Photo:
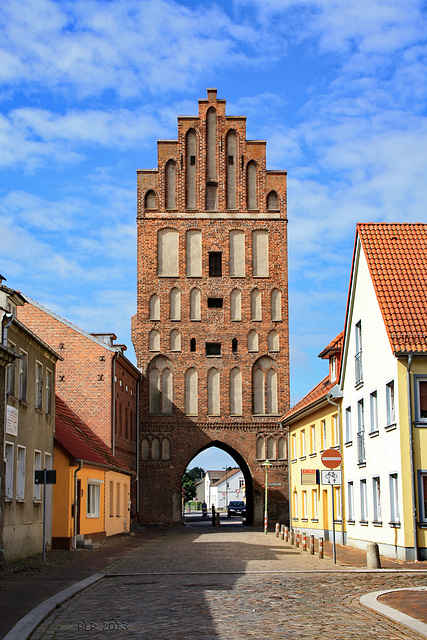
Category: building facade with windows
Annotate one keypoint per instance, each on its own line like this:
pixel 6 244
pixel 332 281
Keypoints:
pixel 91 497
pixel 28 435
pixel 314 425
pixel 211 329
pixel 384 384
pixel 230 486
pixel 95 379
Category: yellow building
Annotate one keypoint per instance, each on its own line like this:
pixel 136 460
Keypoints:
pixel 91 497
pixel 314 426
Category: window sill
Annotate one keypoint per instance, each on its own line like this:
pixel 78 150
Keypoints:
pixel 236 319
pixel 391 427
pixel 218 355
pixel 304 519
pixel 195 319
pixel 374 434
pixel 25 405
pixel 20 500
pixel 295 519
pixel 315 520
pixel 8 500
pixel 351 522
pixel 377 523
pixel 361 465
pixel 294 460
pixel 313 455
pixel 338 521
pixel 418 423
pixel 349 443
pixel 37 501
pixel 394 525
pixel 358 385
pixel 303 458
pixel 89 515
pixel 422 525
pixel 363 523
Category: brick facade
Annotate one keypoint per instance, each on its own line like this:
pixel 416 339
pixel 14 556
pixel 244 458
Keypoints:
pixel 211 178
pixel 94 379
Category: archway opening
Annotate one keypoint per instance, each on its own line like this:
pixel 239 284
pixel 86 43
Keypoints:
pixel 221 480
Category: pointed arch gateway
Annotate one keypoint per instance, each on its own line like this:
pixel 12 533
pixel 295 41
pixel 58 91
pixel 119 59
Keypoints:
pixel 242 464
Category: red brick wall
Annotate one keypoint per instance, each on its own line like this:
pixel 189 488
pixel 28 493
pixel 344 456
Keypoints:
pixel 161 479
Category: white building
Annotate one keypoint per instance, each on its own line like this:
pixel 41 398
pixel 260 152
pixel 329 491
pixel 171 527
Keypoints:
pixel 230 486
pixel 384 359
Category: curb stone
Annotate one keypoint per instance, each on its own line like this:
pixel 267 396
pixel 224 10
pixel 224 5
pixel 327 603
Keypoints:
pixel 25 627
pixel 370 600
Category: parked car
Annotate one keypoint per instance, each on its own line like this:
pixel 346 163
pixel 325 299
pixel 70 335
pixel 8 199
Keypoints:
pixel 236 508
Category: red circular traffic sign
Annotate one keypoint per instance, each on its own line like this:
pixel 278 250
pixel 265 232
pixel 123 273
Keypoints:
pixel 331 458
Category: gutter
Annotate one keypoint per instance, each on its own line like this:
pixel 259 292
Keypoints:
pixel 411 454
pixel 76 514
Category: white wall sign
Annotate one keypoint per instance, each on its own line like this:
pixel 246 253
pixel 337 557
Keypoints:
pixel 331 477
pixel 12 421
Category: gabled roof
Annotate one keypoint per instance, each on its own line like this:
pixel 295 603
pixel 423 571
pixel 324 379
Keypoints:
pixel 318 394
pixel 80 442
pixel 230 473
pixel 396 256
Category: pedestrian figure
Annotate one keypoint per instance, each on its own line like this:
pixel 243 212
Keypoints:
pixel 213 516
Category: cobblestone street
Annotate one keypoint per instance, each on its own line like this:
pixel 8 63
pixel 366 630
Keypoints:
pixel 230 584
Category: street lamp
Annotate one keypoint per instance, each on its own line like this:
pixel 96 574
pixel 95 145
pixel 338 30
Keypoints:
pixel 226 493
pixel 267 464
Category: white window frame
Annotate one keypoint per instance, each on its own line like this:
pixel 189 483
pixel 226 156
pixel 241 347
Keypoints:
pixel 294 446
pixel 394 498
pixel 21 475
pixel 376 495
pixel 37 467
pixel 350 501
pixel 304 505
pixel 323 434
pixel 363 500
pixel 313 439
pixel 93 498
pixel 9 456
pixel 11 373
pixel 303 443
pixel 314 510
pixel 49 391
pixel 23 376
pixel 373 407
pixel 390 403
pixel 295 505
pixel 335 430
pixel 39 386
pixel 358 354
pixel 348 434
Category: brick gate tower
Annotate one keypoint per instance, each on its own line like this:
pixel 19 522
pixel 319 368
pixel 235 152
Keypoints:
pixel 211 328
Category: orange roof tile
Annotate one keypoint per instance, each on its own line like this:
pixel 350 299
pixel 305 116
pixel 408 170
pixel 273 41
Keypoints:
pixel 396 256
pixel 319 392
pixel 333 347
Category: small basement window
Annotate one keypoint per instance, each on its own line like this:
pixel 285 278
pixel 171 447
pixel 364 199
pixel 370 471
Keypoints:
pixel 215 264
pixel 215 303
pixel 193 160
pixel 193 344
pixel 213 348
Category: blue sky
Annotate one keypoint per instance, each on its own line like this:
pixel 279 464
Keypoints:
pixel 338 89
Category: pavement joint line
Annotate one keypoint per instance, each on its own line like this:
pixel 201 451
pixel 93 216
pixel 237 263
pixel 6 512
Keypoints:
pixel 29 623
pixel 267 571
pixel 370 600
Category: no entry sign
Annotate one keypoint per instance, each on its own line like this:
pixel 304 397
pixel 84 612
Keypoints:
pixel 331 458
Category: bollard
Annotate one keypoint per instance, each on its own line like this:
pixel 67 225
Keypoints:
pixel 277 529
pixel 217 521
pixel 297 540
pixel 373 556
pixel 282 532
pixel 312 545
pixel 286 534
pixel 304 542
pixel 292 537
pixel 320 547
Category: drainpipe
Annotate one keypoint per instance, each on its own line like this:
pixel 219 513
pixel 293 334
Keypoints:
pixel 74 545
pixel 137 447
pixel 113 408
pixel 411 454
pixel 328 398
pixel 289 483
pixel 9 317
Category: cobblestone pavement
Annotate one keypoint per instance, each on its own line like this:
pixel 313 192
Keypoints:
pixel 230 584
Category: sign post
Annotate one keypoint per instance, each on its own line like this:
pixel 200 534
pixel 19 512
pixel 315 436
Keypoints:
pixel 332 459
pixel 44 477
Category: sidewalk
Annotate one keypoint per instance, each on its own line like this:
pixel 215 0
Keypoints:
pixel 19 594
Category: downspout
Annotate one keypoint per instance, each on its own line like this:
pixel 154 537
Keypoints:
pixel 137 447
pixel 289 483
pixel 411 455
pixel 113 408
pixel 340 450
pixel 74 545
pixel 9 318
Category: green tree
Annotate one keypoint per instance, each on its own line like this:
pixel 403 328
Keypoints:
pixel 189 480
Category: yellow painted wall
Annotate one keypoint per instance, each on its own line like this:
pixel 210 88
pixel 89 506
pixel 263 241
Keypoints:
pixel 117 513
pixel 311 460
pixel 62 496
pixel 419 367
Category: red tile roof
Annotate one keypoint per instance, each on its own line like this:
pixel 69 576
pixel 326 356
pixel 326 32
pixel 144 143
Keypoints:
pixel 80 442
pixel 396 256
pixel 320 391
